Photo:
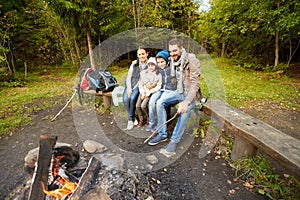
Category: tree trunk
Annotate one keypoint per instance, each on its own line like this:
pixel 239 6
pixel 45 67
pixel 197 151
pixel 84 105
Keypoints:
pixel 276 49
pixel 77 52
pixel 223 49
pixel 89 41
pixel 134 17
pixel 276 42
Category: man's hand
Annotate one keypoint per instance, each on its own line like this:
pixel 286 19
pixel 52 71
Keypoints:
pixel 183 107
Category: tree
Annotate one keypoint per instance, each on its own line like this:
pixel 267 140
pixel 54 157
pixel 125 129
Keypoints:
pixel 257 32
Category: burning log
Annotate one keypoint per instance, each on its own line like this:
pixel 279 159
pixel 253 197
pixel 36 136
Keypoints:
pixel 46 145
pixel 87 180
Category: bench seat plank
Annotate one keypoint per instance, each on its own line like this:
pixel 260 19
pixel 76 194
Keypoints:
pixel 280 146
pixel 107 96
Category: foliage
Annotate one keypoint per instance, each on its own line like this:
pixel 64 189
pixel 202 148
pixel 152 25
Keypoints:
pixel 246 30
pixel 202 129
pixel 259 175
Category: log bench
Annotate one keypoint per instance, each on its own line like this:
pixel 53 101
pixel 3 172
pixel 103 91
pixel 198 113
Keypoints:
pixel 107 96
pixel 252 134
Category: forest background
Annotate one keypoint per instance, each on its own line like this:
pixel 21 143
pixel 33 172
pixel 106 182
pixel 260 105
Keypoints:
pixel 261 35
pixel 254 44
pixel 46 42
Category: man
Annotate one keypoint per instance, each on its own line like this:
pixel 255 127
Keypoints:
pixel 186 67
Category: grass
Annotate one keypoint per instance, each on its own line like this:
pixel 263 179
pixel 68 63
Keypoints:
pixel 17 103
pixel 220 79
pixel 244 87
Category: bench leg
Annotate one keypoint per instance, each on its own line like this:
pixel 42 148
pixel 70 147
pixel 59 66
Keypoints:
pixel 242 148
pixel 106 101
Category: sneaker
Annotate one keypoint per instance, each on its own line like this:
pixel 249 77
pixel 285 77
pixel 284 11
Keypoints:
pixel 166 153
pixel 171 148
pixel 149 128
pixel 135 122
pixel 130 125
pixel 157 139
pixel 153 129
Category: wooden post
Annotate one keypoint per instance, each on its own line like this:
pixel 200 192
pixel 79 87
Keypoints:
pixel 242 148
pixel 106 101
pixel 41 173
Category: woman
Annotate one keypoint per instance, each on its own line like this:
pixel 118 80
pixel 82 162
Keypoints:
pixel 131 91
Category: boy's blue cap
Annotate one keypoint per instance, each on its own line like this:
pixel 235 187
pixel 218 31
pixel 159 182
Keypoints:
pixel 163 54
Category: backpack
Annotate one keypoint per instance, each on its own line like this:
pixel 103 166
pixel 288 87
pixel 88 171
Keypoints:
pixel 97 80
pixel 101 80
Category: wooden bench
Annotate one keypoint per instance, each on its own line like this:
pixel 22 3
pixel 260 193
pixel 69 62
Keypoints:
pixel 252 134
pixel 107 96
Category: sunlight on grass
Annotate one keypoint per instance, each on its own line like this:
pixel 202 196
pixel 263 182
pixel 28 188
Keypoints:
pixel 244 86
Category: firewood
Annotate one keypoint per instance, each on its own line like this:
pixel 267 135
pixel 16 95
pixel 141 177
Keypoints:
pixel 40 176
pixel 87 180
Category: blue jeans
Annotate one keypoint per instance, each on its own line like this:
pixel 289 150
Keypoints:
pixel 152 107
pixel 130 103
pixel 170 98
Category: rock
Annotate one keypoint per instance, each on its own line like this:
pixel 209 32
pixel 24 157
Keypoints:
pixel 96 193
pixel 32 155
pixel 93 146
pixel 152 159
pixel 112 161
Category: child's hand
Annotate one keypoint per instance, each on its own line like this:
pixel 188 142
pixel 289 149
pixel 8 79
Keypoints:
pixel 149 86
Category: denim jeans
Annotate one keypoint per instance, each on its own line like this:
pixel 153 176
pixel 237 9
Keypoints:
pixel 167 98
pixel 170 98
pixel 152 107
pixel 130 103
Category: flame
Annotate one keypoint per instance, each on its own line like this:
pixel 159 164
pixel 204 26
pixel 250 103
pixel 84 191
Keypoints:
pixel 67 188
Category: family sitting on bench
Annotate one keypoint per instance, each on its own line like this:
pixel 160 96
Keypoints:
pixel 172 77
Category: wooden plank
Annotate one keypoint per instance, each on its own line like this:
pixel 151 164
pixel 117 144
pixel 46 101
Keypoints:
pixel 87 179
pixel 41 173
pixel 280 146
pixel 100 93
pixel 107 96
pixel 242 148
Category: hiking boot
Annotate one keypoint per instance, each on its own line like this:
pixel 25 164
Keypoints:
pixel 157 139
pixel 130 125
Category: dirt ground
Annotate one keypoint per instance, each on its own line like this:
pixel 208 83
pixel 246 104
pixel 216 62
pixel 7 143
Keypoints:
pixel 189 177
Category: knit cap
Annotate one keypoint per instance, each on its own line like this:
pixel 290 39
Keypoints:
pixel 163 54
pixel 152 60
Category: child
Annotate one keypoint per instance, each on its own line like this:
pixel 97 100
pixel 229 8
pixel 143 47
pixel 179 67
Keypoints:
pixel 150 83
pixel 162 59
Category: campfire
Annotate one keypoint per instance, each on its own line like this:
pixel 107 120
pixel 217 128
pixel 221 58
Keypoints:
pixel 53 179
pixel 60 173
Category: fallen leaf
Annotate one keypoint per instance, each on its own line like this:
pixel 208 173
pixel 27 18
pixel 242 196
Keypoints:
pixel 248 185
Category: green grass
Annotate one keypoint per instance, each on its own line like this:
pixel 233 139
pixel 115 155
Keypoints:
pixel 17 103
pixel 244 87
pixel 219 79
